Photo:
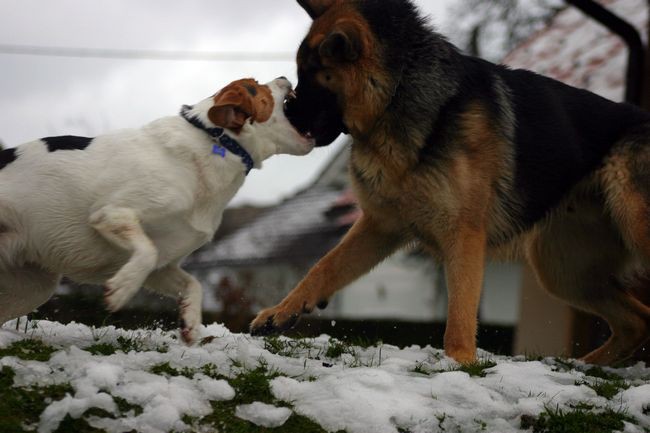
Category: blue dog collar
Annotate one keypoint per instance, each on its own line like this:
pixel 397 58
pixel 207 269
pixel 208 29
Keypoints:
pixel 223 143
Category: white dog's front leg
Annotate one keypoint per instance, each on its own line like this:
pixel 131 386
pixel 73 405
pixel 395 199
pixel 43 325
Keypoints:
pixel 174 282
pixel 121 227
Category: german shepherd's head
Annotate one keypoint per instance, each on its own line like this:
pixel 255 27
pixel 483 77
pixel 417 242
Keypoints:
pixel 350 64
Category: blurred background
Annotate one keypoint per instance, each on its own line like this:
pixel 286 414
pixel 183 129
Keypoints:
pixel 72 67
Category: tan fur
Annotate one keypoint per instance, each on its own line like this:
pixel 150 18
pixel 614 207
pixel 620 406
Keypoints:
pixel 627 204
pixel 364 86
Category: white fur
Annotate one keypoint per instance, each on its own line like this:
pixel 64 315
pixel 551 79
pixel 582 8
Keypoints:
pixel 127 210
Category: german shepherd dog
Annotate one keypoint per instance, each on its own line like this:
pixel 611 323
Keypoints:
pixel 472 160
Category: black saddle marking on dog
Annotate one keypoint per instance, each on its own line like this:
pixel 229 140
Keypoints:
pixel 66 142
pixel 7 156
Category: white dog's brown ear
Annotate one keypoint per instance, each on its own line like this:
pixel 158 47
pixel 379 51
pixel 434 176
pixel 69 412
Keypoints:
pixel 226 117
pixel 231 109
pixel 316 8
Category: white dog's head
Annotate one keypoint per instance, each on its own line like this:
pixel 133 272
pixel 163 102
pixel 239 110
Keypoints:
pixel 253 113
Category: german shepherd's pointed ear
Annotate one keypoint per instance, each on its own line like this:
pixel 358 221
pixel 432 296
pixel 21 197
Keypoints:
pixel 316 8
pixel 343 44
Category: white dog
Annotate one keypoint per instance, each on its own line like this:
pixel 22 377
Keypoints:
pixel 124 209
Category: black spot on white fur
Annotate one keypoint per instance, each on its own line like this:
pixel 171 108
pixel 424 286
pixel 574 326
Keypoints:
pixel 7 156
pixel 66 142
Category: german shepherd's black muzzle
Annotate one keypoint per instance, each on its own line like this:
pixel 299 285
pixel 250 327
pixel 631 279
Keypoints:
pixel 315 110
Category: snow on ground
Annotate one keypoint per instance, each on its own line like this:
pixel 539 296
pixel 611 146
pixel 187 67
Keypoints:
pixel 379 389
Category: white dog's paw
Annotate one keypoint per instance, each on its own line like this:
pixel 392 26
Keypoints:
pixel 190 321
pixel 119 290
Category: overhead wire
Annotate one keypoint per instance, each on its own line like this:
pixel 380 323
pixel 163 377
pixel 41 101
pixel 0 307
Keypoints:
pixel 145 54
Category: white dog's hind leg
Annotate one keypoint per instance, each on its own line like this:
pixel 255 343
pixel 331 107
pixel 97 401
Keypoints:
pixel 23 289
pixel 121 226
pixel 174 282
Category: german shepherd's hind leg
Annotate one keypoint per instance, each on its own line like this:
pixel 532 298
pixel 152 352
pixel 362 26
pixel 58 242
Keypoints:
pixel 362 248
pixel 625 179
pixel 172 281
pixel 23 289
pixel 579 257
pixel 121 227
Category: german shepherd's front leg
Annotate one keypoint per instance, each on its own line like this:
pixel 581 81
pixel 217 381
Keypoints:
pixel 365 245
pixel 464 267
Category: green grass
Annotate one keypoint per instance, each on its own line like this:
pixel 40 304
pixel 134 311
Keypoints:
pixel 77 425
pixel 165 369
pixel 577 420
pixel 606 384
pixel 288 347
pixel 476 369
pixel 336 348
pixel 125 407
pixel 22 407
pixel 29 349
pixel 606 388
pixel 420 369
pixel 596 371
pixel 126 345
pixel 104 349
pixel 251 386
pixel 80 425
pixel 564 364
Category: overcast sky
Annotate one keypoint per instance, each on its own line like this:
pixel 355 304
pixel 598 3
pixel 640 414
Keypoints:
pixel 46 95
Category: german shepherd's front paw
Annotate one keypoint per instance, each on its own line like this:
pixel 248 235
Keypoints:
pixel 283 316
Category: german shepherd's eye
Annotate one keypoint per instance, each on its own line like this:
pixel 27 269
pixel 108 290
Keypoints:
pixel 326 77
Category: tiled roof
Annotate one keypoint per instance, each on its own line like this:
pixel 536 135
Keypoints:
pixel 579 51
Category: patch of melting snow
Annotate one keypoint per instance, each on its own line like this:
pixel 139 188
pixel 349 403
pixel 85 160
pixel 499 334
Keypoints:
pixel 372 390
pixel 263 414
